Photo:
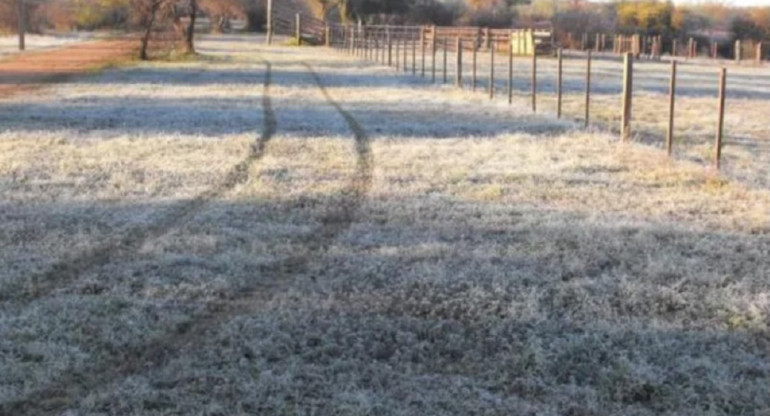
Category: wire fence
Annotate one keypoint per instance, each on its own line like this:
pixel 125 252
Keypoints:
pixel 622 84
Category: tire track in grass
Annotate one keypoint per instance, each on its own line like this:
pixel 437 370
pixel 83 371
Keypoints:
pixel 66 392
pixel 67 270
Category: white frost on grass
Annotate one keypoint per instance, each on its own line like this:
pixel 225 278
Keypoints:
pixel 746 153
pixel 9 45
pixel 499 264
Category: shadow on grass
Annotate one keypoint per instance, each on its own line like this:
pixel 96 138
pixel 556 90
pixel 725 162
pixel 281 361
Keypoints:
pixel 545 306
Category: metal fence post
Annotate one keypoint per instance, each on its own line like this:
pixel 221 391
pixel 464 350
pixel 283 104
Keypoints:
pixel 459 63
pixel 510 68
pixel 720 119
pixel 628 82
pixel 534 81
pixel 588 90
pixel 491 69
pixel 671 106
pixel 559 73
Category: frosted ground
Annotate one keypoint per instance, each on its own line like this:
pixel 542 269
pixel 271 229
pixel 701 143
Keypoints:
pixel 9 45
pixel 179 239
pixel 747 146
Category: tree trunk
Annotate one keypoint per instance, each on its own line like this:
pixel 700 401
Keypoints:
pixel 22 24
pixel 148 31
pixel 190 33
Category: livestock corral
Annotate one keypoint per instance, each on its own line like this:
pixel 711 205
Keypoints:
pixel 301 231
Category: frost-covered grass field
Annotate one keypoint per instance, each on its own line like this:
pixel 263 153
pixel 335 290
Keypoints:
pixel 226 237
pixel 746 144
pixel 9 45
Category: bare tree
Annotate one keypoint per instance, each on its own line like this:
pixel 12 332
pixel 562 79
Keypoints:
pixel 146 13
pixel 222 11
pixel 186 31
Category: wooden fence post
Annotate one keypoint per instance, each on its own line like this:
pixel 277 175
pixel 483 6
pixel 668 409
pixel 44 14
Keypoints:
pixel 372 39
pixel 376 47
pixel 298 28
pixel 446 47
pixel 397 52
pixel 588 89
pixel 758 56
pixel 406 55
pixel 422 50
pixel 491 69
pixel 559 73
pixel 390 47
pixel 628 86
pixel 671 106
pixel 327 36
pixel 372 45
pixel 738 51
pixel 720 119
pixel 384 51
pixel 637 45
pixel 534 81
pixel 487 38
pixel 459 63
pixel 433 52
pixel 475 59
pixel 414 56
pixel 372 42
pixel 510 68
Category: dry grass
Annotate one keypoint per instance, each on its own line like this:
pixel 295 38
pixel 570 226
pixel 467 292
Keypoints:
pixel 500 263
pixel 746 151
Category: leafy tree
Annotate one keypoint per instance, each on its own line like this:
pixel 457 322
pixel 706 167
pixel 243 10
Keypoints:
pixel 647 16
pixel 490 13
pixel 753 24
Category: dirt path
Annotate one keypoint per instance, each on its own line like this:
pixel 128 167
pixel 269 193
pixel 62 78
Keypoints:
pixel 30 70
pixel 60 394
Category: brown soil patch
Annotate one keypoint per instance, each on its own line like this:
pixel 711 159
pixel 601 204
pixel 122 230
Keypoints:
pixel 32 69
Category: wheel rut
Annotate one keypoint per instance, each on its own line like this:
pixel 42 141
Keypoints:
pixel 269 279
pixel 69 269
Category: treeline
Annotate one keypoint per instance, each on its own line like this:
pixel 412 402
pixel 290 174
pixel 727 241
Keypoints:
pixel 644 17
pixel 71 15
pixel 652 18
pixel 491 13
pixel 156 21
